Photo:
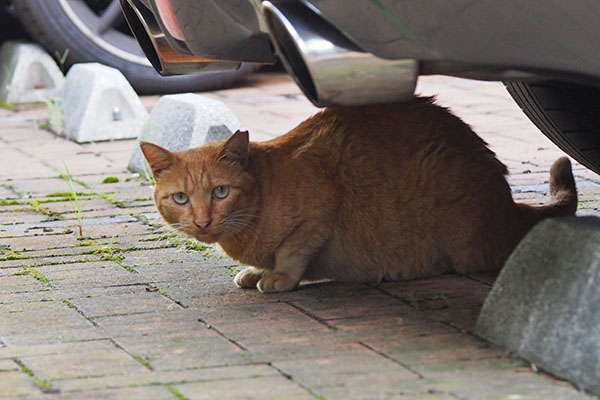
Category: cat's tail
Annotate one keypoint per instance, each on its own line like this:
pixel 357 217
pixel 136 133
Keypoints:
pixel 562 191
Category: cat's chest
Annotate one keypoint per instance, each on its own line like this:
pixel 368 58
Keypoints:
pixel 252 250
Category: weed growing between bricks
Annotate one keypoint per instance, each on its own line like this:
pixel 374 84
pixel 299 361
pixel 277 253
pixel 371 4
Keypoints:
pixel 42 384
pixel 176 392
pixel 34 273
pixel 75 201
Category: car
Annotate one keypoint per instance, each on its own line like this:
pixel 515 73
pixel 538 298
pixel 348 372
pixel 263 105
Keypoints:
pixel 95 31
pixel 344 52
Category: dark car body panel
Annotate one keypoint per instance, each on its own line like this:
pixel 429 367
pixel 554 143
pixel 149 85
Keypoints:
pixel 551 36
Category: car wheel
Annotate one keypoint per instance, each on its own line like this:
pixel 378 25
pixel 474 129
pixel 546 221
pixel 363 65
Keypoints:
pixel 96 31
pixel 567 113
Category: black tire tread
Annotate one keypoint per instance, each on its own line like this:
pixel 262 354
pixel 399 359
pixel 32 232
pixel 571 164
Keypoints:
pixel 568 114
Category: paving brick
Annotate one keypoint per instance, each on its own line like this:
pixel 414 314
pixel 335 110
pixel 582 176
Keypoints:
pixel 255 324
pixel 448 298
pixel 25 167
pixel 173 340
pixel 422 346
pixel 35 241
pixel 149 324
pixel 49 260
pixel 435 289
pixel 11 284
pixel 81 359
pixel 42 187
pixel 22 217
pixel 43 293
pixel 369 302
pixel 89 274
pixel 8 365
pixel 16 384
pixel 356 364
pixel 275 387
pixel 43 322
pixel 510 383
pixel 191 349
pixel 108 211
pixel 122 229
pixel 152 378
pixel 65 208
pixel 139 300
pixel 133 393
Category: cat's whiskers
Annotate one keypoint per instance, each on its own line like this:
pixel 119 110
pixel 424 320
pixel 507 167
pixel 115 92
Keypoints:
pixel 240 222
pixel 239 226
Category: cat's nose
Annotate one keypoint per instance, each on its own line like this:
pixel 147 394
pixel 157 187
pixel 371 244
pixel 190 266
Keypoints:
pixel 202 224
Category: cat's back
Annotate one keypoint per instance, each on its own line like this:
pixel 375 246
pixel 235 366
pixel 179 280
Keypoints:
pixel 412 145
pixel 387 143
pixel 396 128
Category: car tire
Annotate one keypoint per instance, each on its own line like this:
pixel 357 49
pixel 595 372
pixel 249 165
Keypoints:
pixel 567 113
pixel 61 25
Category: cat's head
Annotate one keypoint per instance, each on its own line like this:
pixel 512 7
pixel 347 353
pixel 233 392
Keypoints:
pixel 207 191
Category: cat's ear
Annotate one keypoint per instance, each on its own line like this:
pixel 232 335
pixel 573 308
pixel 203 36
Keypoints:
pixel 235 149
pixel 158 158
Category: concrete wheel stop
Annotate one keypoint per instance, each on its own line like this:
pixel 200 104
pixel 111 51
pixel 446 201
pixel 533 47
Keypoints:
pixel 100 104
pixel 182 121
pixel 27 74
pixel 545 304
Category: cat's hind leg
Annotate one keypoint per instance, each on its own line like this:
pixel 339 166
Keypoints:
pixel 292 258
pixel 248 277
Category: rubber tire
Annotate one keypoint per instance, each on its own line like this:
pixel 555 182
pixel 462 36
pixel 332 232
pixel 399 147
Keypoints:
pixel 46 22
pixel 567 113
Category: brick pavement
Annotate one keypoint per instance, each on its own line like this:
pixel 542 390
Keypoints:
pixel 131 311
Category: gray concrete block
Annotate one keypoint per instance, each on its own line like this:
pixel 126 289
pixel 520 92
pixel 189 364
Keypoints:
pixel 27 74
pixel 100 104
pixel 183 121
pixel 545 303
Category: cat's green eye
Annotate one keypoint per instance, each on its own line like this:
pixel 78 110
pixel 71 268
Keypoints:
pixel 220 192
pixel 180 198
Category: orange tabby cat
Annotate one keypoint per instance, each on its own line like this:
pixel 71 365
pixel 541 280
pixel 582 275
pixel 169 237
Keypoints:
pixel 365 193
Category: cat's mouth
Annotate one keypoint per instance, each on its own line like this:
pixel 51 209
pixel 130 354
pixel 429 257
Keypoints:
pixel 206 236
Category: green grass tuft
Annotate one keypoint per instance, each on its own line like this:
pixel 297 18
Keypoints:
pixel 42 384
pixel 85 243
pixel 75 201
pixel 23 367
pixel 68 303
pixel 8 254
pixel 34 273
pixel 7 106
pixel 4 202
pixel 142 361
pixel 110 179
pixel 234 271
pixel 176 392
pixel 66 194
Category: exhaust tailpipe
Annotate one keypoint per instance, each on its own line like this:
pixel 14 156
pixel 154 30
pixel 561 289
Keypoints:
pixel 165 59
pixel 328 67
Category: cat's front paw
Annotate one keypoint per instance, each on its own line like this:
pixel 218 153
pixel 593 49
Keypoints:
pixel 248 277
pixel 276 282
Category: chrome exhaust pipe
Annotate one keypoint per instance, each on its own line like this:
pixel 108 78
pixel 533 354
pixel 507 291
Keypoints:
pixel 165 59
pixel 328 67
